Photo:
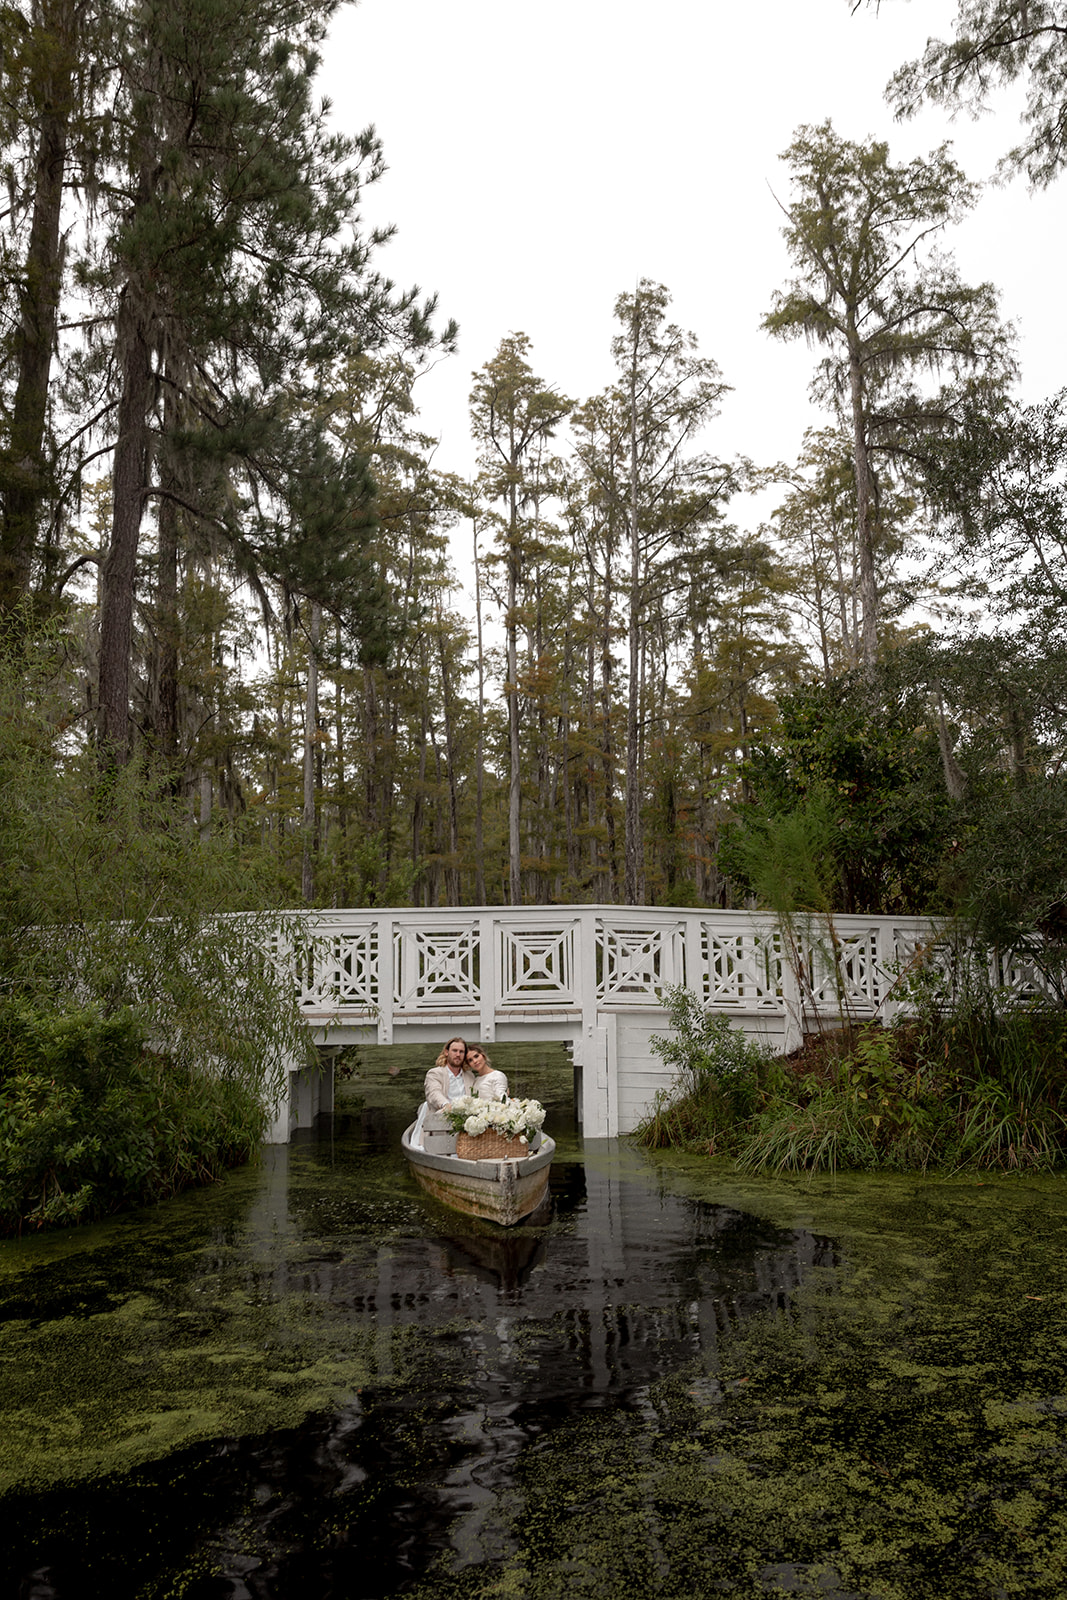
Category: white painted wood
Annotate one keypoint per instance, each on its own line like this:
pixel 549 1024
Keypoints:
pixel 594 976
pixel 487 993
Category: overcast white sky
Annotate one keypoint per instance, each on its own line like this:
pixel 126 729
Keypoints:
pixel 544 157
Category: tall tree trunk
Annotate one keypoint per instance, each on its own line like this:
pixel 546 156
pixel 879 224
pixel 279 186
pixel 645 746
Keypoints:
pixel 864 514
pixel 452 895
pixel 311 729
pixel 955 777
pixel 205 802
pixel 479 812
pixel 512 689
pixel 564 756
pixel 607 757
pixel 166 668
pixel 35 334
pixel 344 888
pixel 166 619
pixel 120 566
pixel 632 881
pixel 420 792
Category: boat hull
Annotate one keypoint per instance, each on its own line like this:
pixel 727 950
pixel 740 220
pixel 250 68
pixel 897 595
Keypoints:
pixel 498 1191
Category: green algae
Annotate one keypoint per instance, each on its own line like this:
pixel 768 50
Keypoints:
pixel 899 1431
pixel 200 1318
pixel 896 1428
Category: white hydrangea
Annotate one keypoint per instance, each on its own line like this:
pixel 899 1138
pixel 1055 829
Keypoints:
pixel 515 1118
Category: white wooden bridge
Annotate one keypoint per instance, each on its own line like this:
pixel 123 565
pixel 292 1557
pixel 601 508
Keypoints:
pixel 589 976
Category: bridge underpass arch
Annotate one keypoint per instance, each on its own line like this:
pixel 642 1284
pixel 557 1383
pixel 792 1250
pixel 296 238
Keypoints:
pixel 593 977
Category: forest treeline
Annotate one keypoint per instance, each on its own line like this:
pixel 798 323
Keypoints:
pixel 238 672
pixel 224 530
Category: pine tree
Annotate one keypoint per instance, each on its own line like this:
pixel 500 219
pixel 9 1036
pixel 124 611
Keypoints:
pixel 667 393
pixel 56 80
pixel 513 415
pixel 233 275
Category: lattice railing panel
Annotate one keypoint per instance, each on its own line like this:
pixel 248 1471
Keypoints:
pixel 1021 978
pixel 635 963
pixel 333 970
pixel 742 970
pixel 921 952
pixel 436 968
pixel 855 978
pixel 347 966
pixel 537 966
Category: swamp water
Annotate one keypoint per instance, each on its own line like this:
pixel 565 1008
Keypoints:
pixel 313 1381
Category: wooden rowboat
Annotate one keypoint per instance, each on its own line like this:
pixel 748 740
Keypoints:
pixel 498 1190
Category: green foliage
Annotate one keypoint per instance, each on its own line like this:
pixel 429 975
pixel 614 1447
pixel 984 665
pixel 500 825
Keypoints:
pixel 116 934
pixel 1010 879
pixel 980 1084
pixel 827 1132
pixel 995 42
pixel 847 801
pixel 717 1070
pixel 786 858
pixel 91 1121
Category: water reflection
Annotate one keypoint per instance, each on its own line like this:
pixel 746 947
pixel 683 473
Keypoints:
pixel 481 1346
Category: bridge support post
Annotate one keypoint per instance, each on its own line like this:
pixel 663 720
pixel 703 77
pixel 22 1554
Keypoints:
pixel 387 980
pixel 304 1092
pixel 489 977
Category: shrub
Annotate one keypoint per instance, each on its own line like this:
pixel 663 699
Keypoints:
pixel 91 1121
pixel 979 1084
pixel 717 1071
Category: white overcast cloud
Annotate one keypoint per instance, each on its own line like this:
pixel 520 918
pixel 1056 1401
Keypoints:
pixel 543 158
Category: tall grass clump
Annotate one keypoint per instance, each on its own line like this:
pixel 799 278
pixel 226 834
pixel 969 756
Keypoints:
pixel 980 1083
pixel 1003 1069
pixel 850 1099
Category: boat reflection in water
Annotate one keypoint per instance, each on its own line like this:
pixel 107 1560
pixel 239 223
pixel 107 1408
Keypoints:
pixel 483 1350
pixel 502 1260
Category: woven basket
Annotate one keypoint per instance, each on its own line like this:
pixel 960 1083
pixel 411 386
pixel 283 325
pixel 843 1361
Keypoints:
pixel 490 1146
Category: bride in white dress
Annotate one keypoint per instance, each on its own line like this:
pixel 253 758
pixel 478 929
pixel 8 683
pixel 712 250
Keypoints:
pixel 489 1084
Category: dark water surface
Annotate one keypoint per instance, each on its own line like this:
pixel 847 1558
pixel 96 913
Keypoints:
pixel 313 1381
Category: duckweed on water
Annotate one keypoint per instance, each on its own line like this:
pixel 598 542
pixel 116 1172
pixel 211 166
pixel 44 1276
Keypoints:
pixel 727 1386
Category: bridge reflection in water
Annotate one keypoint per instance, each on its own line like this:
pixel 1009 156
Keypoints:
pixel 486 1354
pixel 532 1330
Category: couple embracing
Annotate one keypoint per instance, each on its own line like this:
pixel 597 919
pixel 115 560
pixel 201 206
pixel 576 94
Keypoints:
pixel 461 1069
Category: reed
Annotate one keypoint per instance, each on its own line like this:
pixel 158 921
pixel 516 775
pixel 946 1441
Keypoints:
pixel 980 1084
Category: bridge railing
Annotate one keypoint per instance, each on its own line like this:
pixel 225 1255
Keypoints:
pixel 478 965
pixel 595 976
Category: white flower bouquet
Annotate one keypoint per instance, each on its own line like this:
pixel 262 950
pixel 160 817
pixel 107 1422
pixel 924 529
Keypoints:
pixel 511 1119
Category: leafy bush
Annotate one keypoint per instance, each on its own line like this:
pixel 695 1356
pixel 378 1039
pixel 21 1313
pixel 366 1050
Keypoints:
pixel 716 1076
pixel 91 1121
pixel 143 1026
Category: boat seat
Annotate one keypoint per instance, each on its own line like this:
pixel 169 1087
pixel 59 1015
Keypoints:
pixel 437 1137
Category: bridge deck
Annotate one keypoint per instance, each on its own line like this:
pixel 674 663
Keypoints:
pixel 594 976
